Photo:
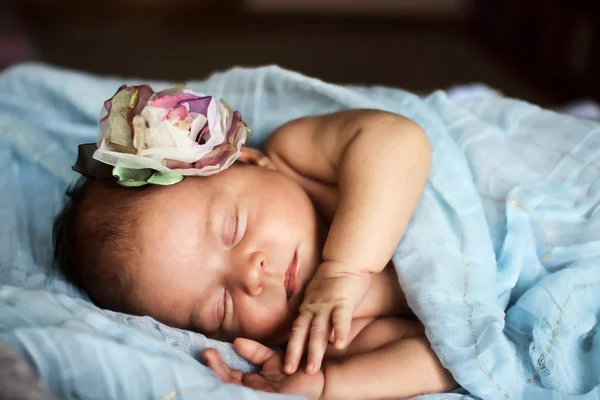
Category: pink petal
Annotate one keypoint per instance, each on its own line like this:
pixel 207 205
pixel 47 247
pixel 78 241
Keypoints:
pixel 171 101
pixel 145 92
pixel 174 164
pixel 180 112
pixel 204 135
pixel 215 157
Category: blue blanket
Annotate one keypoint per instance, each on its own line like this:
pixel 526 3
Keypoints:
pixel 501 260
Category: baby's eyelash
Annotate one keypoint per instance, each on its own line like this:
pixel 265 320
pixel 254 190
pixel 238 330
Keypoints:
pixel 237 224
pixel 224 307
pixel 230 228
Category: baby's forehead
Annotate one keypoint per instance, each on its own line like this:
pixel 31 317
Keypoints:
pixel 175 213
pixel 197 198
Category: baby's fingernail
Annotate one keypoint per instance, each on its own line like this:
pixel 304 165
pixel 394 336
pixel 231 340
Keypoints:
pixel 311 367
pixel 339 343
pixel 288 368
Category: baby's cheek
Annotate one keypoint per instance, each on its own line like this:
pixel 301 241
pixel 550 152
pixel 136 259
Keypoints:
pixel 266 324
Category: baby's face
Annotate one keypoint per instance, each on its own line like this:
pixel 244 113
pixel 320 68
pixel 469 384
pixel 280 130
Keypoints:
pixel 228 255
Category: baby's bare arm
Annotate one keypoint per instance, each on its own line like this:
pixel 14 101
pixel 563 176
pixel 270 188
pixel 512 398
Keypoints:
pixel 379 163
pixel 389 358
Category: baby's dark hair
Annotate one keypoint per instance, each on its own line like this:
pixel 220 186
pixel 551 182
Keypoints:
pixel 95 240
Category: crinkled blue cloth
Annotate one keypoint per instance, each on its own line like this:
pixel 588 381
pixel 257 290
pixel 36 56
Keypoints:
pixel 501 261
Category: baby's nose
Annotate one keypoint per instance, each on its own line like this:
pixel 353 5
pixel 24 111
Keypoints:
pixel 253 275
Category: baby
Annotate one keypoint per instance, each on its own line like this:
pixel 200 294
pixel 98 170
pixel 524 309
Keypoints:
pixel 293 245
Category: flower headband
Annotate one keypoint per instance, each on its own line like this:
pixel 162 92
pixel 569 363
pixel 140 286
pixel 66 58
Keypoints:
pixel 157 138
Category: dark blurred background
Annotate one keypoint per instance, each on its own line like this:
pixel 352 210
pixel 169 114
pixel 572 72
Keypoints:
pixel 542 51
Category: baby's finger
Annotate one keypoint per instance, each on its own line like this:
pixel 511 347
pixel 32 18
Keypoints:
pixel 295 346
pixel 318 342
pixel 332 336
pixel 236 375
pixel 257 382
pixel 342 322
pixel 215 363
pixel 253 351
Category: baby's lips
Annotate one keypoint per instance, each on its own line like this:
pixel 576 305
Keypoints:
pixel 291 275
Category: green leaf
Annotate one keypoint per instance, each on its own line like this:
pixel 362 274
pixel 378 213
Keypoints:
pixel 165 178
pixel 130 177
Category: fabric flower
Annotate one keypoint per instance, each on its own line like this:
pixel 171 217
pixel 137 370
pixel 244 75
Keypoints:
pixel 176 131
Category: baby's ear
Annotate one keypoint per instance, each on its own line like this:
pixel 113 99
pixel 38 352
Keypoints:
pixel 256 157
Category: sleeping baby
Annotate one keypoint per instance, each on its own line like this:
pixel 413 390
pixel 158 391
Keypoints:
pixel 287 247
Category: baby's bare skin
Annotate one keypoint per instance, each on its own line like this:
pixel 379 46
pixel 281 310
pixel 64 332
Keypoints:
pixel 384 342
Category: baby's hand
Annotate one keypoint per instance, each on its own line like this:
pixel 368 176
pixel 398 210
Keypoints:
pixel 330 300
pixel 271 377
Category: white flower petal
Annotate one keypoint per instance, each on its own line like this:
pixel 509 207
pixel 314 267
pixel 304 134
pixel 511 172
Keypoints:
pixel 159 136
pixel 197 125
pixel 214 122
pixel 179 136
pixel 154 115
pixel 187 154
pixel 138 162
pixel 139 133
pixel 226 117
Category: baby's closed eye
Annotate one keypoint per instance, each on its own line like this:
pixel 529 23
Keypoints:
pixel 230 227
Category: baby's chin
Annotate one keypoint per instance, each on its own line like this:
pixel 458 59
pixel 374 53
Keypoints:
pixel 281 332
pixel 282 335
pixel 277 339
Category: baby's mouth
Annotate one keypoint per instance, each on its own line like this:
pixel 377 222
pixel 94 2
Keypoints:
pixel 290 277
